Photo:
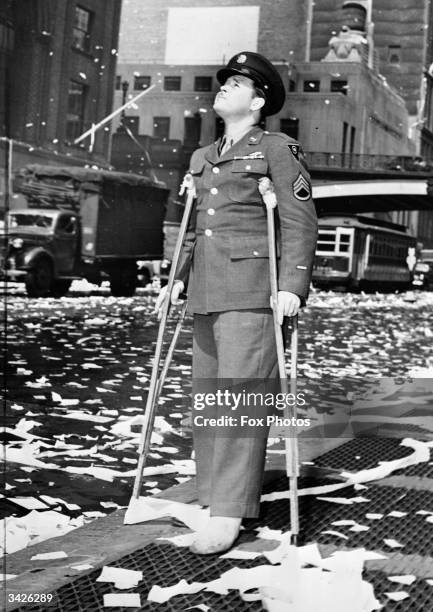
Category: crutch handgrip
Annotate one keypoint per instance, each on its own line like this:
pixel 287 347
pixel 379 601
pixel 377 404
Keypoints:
pixel 266 189
pixel 188 185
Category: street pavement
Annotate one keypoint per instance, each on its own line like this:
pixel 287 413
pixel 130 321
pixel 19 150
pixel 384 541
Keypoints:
pixel 78 371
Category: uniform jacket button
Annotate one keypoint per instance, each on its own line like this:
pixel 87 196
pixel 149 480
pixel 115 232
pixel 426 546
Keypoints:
pixel 214 191
pixel 208 232
pixel 255 253
pixel 211 211
pixel 215 170
pixel 248 167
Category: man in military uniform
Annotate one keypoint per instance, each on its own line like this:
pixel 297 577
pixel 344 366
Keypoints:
pixel 225 267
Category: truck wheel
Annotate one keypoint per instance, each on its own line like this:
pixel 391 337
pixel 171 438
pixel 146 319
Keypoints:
pixel 60 287
pixel 39 279
pixel 123 280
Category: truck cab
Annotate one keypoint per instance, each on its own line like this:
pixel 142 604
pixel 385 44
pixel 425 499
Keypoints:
pixel 41 248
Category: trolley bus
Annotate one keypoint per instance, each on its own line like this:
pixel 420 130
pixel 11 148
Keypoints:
pixel 359 252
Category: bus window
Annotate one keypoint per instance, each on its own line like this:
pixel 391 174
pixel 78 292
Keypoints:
pixel 326 241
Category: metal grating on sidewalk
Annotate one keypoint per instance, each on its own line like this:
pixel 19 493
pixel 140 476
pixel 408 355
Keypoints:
pixel 420 593
pixel 161 564
pixel 165 565
pixel 363 453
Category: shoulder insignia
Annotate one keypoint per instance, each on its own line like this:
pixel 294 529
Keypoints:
pixel 294 149
pixel 301 188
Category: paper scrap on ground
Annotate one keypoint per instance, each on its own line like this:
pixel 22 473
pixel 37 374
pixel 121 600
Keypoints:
pixel 82 567
pixel 49 555
pixel 321 490
pixel 405 579
pixel 30 503
pixel 345 500
pixel 34 527
pixel 276 555
pixel 392 543
pixel 159 594
pixel 339 589
pixel 122 578
pixel 239 553
pixel 397 514
pixel 269 534
pixel 338 534
pixel 80 415
pixel 150 508
pixel 374 516
pixel 25 456
pixel 357 528
pixel 370 555
pixel 122 600
pixel 397 595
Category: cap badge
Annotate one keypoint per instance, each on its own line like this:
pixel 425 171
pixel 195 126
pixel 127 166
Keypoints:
pixel 241 59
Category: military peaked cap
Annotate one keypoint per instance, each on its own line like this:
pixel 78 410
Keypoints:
pixel 262 72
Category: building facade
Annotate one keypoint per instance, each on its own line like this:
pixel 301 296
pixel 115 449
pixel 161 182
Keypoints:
pixel 176 47
pixel 402 35
pixel 350 88
pixel 58 59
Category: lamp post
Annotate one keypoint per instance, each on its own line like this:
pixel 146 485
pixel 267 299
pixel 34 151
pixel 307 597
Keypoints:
pixel 125 87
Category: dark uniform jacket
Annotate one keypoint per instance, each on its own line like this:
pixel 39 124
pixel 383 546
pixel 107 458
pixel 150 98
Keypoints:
pixel 225 261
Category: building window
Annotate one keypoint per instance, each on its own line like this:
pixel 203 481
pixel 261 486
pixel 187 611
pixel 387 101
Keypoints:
pixel 344 141
pixel 312 86
pixel 203 83
pixel 76 109
pixel 118 84
pixel 339 87
pixel 292 85
pixel 172 83
pixel 161 127
pixel 394 54
pixel 290 127
pixel 82 29
pixel 192 130
pixel 142 82
pixel 352 139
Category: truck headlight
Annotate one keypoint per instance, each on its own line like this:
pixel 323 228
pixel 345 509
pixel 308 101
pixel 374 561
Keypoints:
pixel 17 243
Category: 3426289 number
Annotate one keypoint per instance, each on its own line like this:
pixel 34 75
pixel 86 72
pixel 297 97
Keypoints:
pixel 23 598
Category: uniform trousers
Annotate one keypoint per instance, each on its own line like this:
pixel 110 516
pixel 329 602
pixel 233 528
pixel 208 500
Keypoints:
pixel 235 344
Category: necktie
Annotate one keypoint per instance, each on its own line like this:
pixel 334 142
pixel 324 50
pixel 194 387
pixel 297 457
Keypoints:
pixel 224 145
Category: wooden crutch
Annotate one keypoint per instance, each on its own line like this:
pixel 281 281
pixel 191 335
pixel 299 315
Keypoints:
pixel 155 387
pixel 170 352
pixel 266 189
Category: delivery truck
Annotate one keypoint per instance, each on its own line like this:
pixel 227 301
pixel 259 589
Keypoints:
pixel 82 223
